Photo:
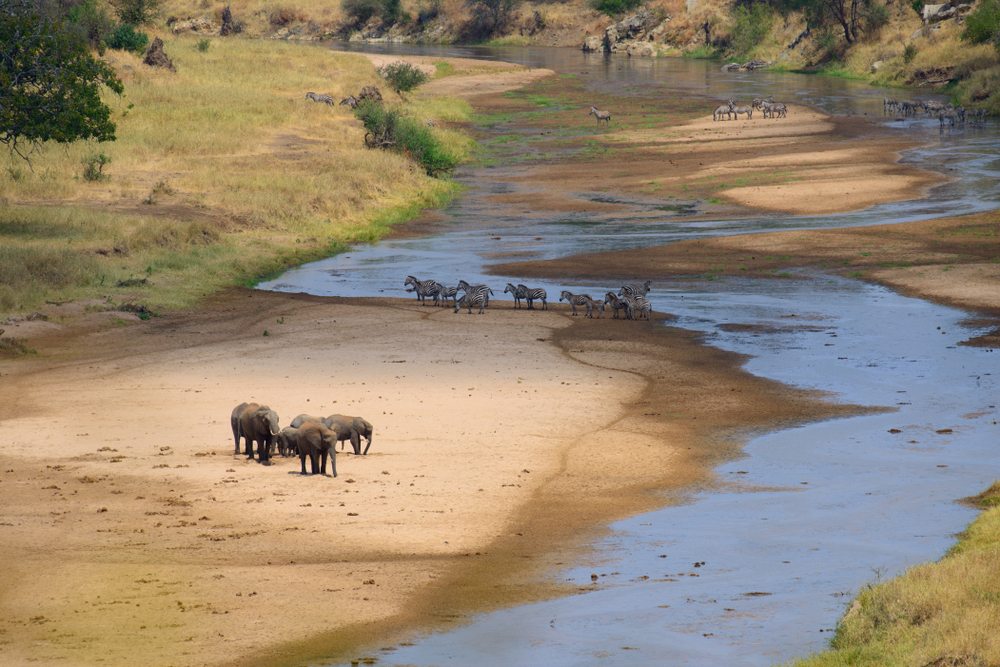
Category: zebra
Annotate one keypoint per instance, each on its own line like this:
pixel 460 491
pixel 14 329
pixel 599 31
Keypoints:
pixel 738 110
pixel 601 115
pixel 889 105
pixel 423 288
pixel 476 289
pixel 775 110
pixel 533 294
pixel 446 293
pixel 469 299
pixel 758 102
pixel 316 97
pixel 637 306
pixel 616 304
pixel 640 289
pixel 349 101
pixel 517 292
pixel 575 300
pixel 724 109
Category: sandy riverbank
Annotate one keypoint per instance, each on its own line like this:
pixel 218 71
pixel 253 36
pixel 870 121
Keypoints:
pixel 132 533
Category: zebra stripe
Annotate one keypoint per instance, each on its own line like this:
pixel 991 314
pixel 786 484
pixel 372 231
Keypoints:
pixel 533 294
pixel 640 289
pixel 423 288
pixel 478 299
pixel 616 304
pixel 578 300
pixel 476 289
pixel 446 293
pixel 517 292
pixel 316 97
pixel 637 306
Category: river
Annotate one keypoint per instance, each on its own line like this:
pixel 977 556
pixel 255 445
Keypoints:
pixel 808 515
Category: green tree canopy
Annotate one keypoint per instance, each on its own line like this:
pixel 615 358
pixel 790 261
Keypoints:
pixel 50 83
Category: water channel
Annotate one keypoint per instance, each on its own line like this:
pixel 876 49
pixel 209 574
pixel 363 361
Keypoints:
pixel 808 515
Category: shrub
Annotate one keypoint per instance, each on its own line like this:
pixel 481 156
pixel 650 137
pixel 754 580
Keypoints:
pixel 93 167
pixel 93 22
pixel 752 25
pixel 982 25
pixel 136 12
pixel 918 7
pixel 127 38
pixel 388 128
pixel 876 16
pixel 203 45
pixel 403 77
pixel 428 13
pixel 360 12
pixel 614 7
pixel 909 53
pixel 284 15
pixel 489 16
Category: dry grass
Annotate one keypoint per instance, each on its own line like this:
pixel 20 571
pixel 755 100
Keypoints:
pixel 221 172
pixel 944 613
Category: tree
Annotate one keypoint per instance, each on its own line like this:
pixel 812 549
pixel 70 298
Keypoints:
pixel 50 84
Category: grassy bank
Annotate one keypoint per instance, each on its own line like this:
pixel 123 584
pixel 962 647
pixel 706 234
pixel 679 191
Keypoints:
pixel 944 613
pixel 222 172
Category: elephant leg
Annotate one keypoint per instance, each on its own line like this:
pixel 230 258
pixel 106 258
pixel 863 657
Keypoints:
pixel 249 448
pixel 333 462
pixel 313 462
pixel 367 445
pixel 356 443
pixel 322 462
pixel 302 458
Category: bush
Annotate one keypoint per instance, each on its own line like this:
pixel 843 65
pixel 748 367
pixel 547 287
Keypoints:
pixel 983 24
pixel 909 53
pixel 281 16
pixel 93 167
pixel 361 11
pixel 614 7
pixel 918 7
pixel 752 25
pixel 403 77
pixel 489 16
pixel 93 22
pixel 127 38
pixel 876 16
pixel 428 13
pixel 136 12
pixel 389 129
pixel 203 45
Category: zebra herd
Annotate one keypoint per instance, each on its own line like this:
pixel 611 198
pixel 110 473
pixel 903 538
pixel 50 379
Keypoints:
pixel 630 301
pixel 766 105
pixel 947 114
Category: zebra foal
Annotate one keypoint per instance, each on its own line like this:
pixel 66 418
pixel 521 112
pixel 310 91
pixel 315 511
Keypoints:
pixel 473 299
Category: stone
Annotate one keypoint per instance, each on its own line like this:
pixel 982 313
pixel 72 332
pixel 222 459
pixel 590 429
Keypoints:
pixel 199 25
pixel 591 43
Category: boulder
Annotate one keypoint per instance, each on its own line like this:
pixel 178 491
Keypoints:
pixel 370 93
pixel 199 25
pixel 591 43
pixel 156 57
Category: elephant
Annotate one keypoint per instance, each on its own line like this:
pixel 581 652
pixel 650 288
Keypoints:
pixel 255 423
pixel 351 428
pixel 317 442
pixel 303 418
pixel 287 441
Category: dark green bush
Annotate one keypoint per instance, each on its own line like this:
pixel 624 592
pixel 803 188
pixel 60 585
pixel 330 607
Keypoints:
pixel 909 53
pixel 752 25
pixel 982 25
pixel 876 16
pixel 360 11
pixel 614 7
pixel 127 38
pixel 389 129
pixel 92 21
pixel 403 77
pixel 93 167
pixel 136 12
pixel 918 7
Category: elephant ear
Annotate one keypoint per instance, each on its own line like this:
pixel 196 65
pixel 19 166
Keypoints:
pixel 272 422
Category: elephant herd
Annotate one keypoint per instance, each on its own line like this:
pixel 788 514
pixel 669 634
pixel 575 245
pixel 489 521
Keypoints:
pixel 308 436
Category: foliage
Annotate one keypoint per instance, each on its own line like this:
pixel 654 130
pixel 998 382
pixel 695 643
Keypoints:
pixel 982 25
pixel 92 21
pixel 361 11
pixel 402 76
pixel 136 12
pixel 490 16
pixel 909 53
pixel 614 7
pixel 428 13
pixel 752 25
pixel 127 38
pixel 50 84
pixel 918 7
pixel 388 128
pixel 203 44
pixel 93 167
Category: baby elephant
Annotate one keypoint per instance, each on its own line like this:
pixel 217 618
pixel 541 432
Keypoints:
pixel 350 428
pixel 316 441
pixel 287 441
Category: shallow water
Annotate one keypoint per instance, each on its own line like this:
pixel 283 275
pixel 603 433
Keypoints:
pixel 808 515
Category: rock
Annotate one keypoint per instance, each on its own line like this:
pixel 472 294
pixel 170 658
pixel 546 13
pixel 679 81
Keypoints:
pixel 641 49
pixel 877 65
pixel 731 67
pixel 591 43
pixel 635 27
pixel 200 25
pixel 370 93
pixel 156 57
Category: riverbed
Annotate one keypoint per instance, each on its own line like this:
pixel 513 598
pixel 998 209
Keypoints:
pixel 758 568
